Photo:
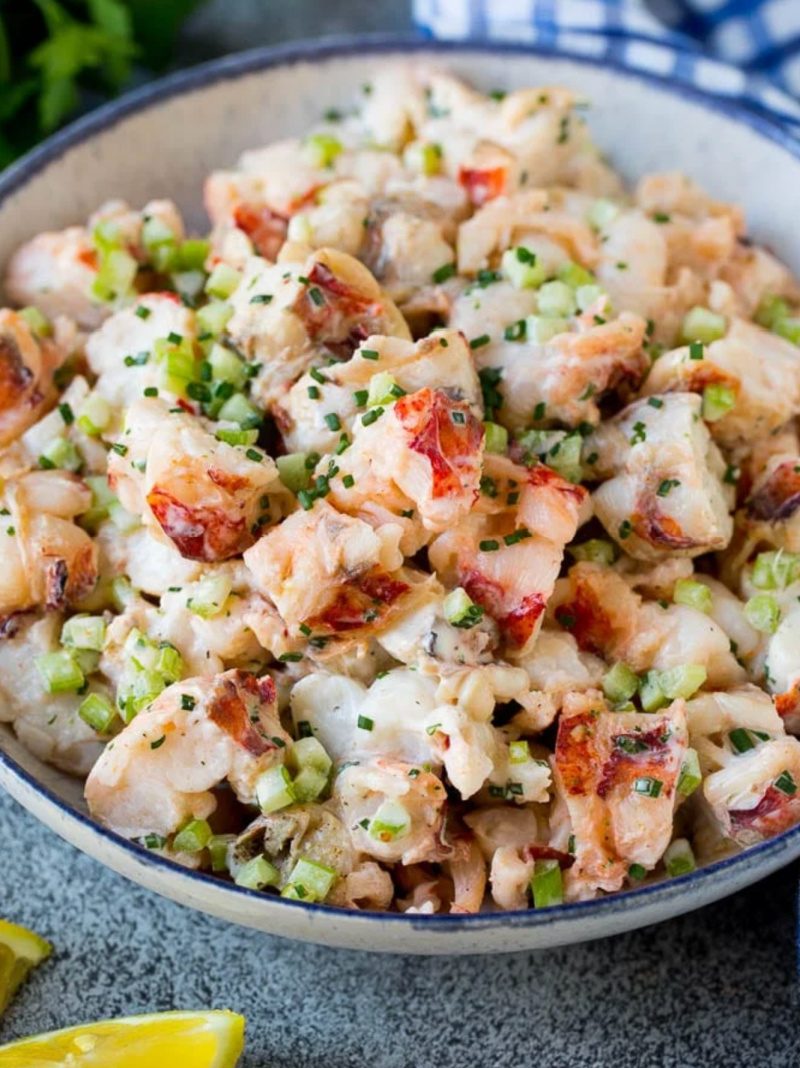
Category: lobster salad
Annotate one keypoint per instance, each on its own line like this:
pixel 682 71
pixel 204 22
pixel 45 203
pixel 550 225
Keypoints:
pixel 424 538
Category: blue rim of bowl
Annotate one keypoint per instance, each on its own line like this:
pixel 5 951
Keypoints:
pixel 251 62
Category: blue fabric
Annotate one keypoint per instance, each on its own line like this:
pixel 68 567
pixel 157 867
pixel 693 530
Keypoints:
pixel 749 49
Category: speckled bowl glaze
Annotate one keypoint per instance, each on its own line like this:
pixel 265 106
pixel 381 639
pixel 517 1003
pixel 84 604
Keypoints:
pixel 162 141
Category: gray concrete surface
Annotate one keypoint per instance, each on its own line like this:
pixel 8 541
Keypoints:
pixel 717 989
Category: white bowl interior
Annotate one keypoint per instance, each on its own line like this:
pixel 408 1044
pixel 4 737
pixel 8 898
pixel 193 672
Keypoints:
pixel 169 147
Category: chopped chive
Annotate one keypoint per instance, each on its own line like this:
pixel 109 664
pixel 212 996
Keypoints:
pixel 142 312
pixel 655 402
pixel 360 397
pixel 489 545
pixel 696 350
pixel 441 274
pixel 370 354
pixel 348 481
pixel 261 298
pixel 365 723
pixel 667 485
pixel 66 414
pixel 479 342
pixel 252 454
pixel 314 393
pixel 372 416
pixel 625 529
pixel 332 421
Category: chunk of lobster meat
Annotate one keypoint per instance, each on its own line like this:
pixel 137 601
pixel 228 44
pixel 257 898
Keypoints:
pixel 507 555
pixel 618 773
pixel 496 826
pixel 211 499
pixel 47 724
pixel 566 376
pixel 27 364
pixel 555 666
pixel 755 275
pixel 49 561
pixel 418 805
pixel 293 314
pixel 712 716
pixel 303 414
pixel 607 618
pixel 121 352
pixel 426 446
pixel 467 869
pixel 197 734
pixel 755 795
pixel 727 611
pixel 331 572
pixel 398 707
pixel 782 669
pixel 770 512
pixel 762 370
pixel 509 221
pixel 665 492
pixel 150 560
pixel 56 270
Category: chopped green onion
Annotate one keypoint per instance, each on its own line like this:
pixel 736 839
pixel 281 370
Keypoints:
pixel 693 594
pixel 496 439
pixel 763 613
pixel 690 777
pixel 256 874
pixel 275 790
pixel 192 837
pixel 701 324
pixel 521 268
pixel 620 683
pixel 222 281
pixel 717 402
pixel 775 570
pixel 59 672
pixel 460 610
pixel 546 884
pixel 98 712
pixel 679 858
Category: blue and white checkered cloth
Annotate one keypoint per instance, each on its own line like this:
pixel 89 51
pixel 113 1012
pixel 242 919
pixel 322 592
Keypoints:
pixel 748 49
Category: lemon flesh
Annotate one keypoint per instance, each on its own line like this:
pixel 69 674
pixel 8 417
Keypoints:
pixel 187 1039
pixel 20 950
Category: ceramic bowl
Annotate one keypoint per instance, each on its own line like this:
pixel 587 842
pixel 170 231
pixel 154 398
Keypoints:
pixel 162 141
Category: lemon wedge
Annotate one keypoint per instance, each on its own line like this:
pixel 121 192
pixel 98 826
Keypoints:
pixel 20 950
pixel 188 1039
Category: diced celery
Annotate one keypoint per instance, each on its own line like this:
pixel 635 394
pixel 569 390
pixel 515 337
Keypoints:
pixel 565 457
pixel 316 879
pixel 222 281
pixel 169 664
pixel 701 324
pixel 546 884
pixel 679 858
pixel 193 253
pixel 602 213
pixel 84 632
pixel 650 693
pixel 192 837
pixel 275 790
pixel 189 284
pixel 574 275
pixel 218 846
pixel 142 652
pixel 310 753
pixel 209 596
pixel 322 149
pixel 383 389
pixel 424 158
pixel 718 400
pixel 98 712
pixel 683 681
pixel 257 874
pixel 595 550
pixel 775 570
pixel 94 415
pixel 294 473
pixel 522 268
pixel 236 437
pixel 519 752
pixel 391 821
pixel 541 328
pixel 788 329
pixel 86 659
pixel 116 276
pixel 59 672
pixel 122 593
pixel 588 295
pixel 107 236
pixel 101 499
pixel 62 453
pixel 214 317
pixel 39 324
pixel 690 777
pixel 122 519
pixel 620 683
pixel 160 243
pixel 300 229
pixel 556 300
pixel 460 610
pixel 496 439
pixel 693 594
pixel 226 366
pixel 238 409
pixel 770 310
pixel 763 612
pixel 309 784
pixel 139 692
